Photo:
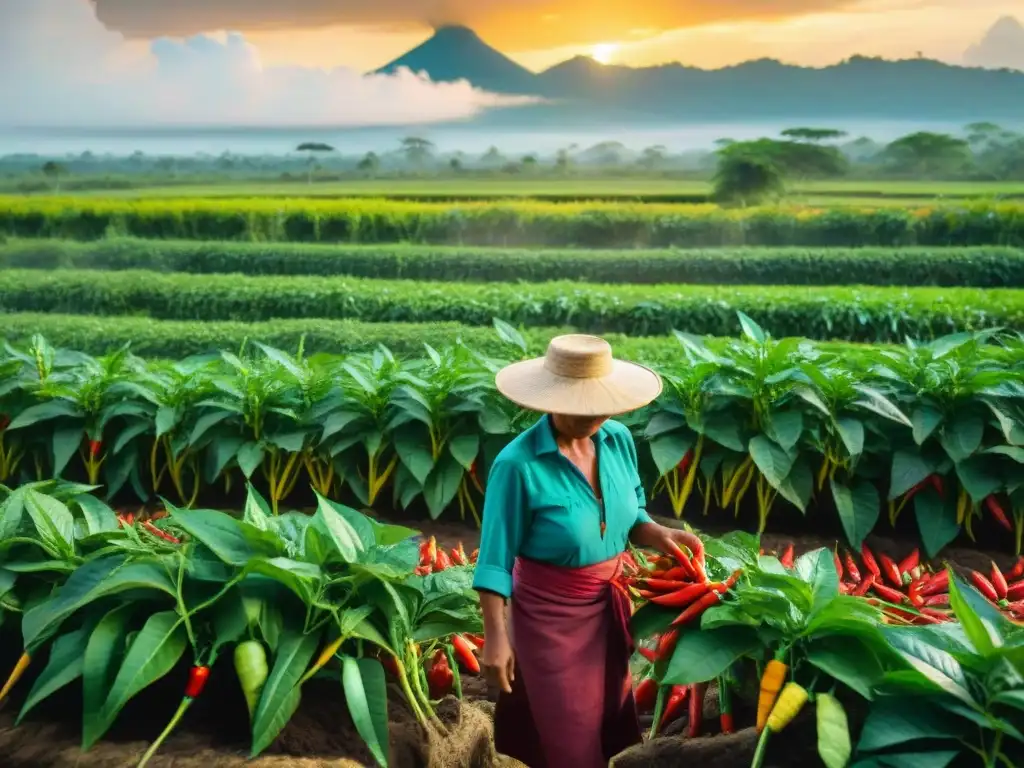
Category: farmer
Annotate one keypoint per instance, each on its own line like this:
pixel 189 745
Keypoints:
pixel 562 500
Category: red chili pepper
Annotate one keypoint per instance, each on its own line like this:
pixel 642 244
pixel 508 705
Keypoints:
pixel 939 615
pixel 999 582
pixel 464 653
pixel 681 597
pixel 869 560
pixel 984 586
pixel 684 463
pixel 440 676
pixel 865 585
pixel 674 704
pixel 94 448
pixel 938 583
pixel 197 678
pixel 1017 571
pixel 914 593
pixel 1016 607
pixel 390 663
pixel 937 601
pixel 726 721
pixel 838 564
pixel 936 481
pixel 428 551
pixel 443 561
pixel 663 585
pixel 459 555
pixel 645 695
pixel 992 505
pixel 648 653
pixel 4 421
pixel 910 562
pixel 667 643
pixel 1015 591
pixel 851 568
pixel 474 555
pixel 683 560
pixel 889 594
pixel 788 556
pixel 891 571
pixel 160 534
pixel 697 709
pixel 697 608
pixel 421 570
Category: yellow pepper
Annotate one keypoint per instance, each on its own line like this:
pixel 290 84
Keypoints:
pixel 788 706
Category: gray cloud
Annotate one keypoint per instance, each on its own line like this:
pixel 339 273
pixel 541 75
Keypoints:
pixel 510 24
pixel 1002 46
pixel 65 68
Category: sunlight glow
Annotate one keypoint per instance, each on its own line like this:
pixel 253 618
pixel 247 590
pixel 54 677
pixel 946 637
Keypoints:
pixel 603 53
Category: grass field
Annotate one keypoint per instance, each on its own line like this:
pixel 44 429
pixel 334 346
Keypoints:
pixel 812 192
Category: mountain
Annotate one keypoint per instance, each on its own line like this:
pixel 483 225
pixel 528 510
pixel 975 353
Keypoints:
pixel 1001 47
pixel 582 91
pixel 457 53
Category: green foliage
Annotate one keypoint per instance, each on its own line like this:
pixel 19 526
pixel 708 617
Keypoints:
pixel 510 223
pixel 980 267
pixel 746 176
pixel 850 313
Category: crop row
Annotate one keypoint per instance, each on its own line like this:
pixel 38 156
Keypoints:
pixel 848 313
pixel 937 427
pixel 507 224
pixel 981 267
pixel 124 605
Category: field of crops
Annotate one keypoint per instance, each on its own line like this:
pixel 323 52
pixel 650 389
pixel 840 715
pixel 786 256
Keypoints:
pixel 169 357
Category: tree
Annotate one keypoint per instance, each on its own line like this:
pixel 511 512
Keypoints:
pixel 798 159
pixel 563 159
pixel 492 158
pixel 312 149
pixel 529 163
pixel 455 164
pixel 746 175
pixel 417 151
pixel 53 171
pixel 928 154
pixel 653 157
pixel 369 164
pixel 813 135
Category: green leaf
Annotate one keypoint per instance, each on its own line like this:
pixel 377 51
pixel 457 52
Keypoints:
pixel 103 654
pixel 99 517
pixel 833 732
pixel 848 660
pixel 97 578
pixel 877 402
pixel 774 463
pixel 290 442
pixel 936 521
pixel 851 432
pixel 751 329
pixel 978 477
pixel 233 541
pixel 891 723
pixel 908 469
pixel 961 436
pixel 983 634
pixel 367 697
pixel 668 449
pixel 925 420
pixel 152 654
pixel 798 487
pixel 785 428
pixel 440 488
pixel 64 443
pixel 53 521
pixel 818 569
pixel 256 511
pixel 339 531
pixel 858 509
pixel 937 666
pixel 52 409
pixel 64 666
pixel 206 422
pixel 249 458
pixel 702 655
pixel 166 419
pixel 281 693
pixel 465 448
pixel 414 453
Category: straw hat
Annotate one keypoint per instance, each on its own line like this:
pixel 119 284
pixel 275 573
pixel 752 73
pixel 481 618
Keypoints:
pixel 579 377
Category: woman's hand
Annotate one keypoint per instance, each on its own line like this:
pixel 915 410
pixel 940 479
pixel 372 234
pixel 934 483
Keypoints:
pixel 498 661
pixel 662 538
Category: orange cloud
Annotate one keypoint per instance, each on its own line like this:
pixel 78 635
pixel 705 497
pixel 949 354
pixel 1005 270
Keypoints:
pixel 512 25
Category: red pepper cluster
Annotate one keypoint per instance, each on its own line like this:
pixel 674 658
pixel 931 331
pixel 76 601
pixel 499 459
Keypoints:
pixel 434 559
pixel 908 591
pixel 1006 590
pixel 647 693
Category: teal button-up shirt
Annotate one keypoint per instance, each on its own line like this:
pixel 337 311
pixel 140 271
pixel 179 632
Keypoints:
pixel 539 505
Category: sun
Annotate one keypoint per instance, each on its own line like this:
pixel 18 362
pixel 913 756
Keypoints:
pixel 603 53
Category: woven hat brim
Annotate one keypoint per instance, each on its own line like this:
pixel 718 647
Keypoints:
pixel 626 388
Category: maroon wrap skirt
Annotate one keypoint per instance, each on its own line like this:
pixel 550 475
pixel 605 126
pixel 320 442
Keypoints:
pixel 572 698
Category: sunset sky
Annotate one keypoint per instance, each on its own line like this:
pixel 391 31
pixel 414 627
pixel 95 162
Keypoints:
pixel 539 33
pixel 302 62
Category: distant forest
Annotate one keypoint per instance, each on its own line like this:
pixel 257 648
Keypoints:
pixel 980 152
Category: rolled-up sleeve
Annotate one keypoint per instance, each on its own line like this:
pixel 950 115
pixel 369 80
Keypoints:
pixel 506 510
pixel 641 495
